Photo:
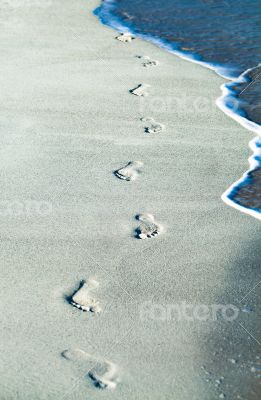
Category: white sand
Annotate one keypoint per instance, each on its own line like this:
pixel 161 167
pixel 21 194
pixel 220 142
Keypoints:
pixel 67 122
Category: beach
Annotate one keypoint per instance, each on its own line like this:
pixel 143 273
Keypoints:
pixel 68 122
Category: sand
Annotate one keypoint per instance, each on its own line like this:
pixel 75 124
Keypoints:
pixel 68 122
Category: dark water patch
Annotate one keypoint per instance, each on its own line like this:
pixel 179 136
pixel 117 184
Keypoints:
pixel 221 34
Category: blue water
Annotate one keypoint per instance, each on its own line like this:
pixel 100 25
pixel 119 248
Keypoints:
pixel 223 35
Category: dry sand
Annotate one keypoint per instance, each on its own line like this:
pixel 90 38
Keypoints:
pixel 67 122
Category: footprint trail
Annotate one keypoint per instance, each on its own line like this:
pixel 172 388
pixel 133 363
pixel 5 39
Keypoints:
pixel 149 228
pixel 82 298
pixel 147 62
pixel 130 171
pixel 153 127
pixel 104 374
pixel 140 90
pixel 125 37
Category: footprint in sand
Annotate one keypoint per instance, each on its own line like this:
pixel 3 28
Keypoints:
pixel 125 37
pixel 83 299
pixel 154 127
pixel 140 90
pixel 103 373
pixel 147 62
pixel 130 171
pixel 149 227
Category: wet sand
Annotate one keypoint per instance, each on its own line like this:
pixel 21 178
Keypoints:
pixel 68 122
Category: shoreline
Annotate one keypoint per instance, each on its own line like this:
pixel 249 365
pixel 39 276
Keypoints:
pixel 104 13
pixel 69 121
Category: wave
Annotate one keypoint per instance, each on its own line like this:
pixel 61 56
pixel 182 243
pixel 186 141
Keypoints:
pixel 228 102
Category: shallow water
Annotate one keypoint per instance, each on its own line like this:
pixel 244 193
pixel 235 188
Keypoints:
pixel 220 32
pixel 226 35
